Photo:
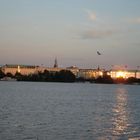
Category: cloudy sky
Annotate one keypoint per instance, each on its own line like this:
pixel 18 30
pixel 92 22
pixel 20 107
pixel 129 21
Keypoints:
pixel 36 31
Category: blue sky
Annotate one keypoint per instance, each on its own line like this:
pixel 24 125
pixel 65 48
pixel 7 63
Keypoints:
pixel 36 31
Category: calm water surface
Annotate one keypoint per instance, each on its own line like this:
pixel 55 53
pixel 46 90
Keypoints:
pixel 69 111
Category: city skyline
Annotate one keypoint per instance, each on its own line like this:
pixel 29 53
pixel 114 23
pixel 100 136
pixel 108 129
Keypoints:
pixel 36 31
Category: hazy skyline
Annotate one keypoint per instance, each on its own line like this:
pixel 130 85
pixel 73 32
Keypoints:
pixel 36 31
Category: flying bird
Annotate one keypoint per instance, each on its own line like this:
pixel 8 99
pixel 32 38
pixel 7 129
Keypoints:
pixel 99 53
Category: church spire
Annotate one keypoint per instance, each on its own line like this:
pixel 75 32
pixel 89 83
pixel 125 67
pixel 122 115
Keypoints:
pixel 55 63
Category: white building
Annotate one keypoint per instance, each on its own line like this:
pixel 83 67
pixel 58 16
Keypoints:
pixel 90 73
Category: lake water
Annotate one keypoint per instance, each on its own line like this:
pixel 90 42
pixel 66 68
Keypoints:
pixel 69 111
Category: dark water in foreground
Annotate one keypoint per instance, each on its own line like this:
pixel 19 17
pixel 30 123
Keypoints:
pixel 64 111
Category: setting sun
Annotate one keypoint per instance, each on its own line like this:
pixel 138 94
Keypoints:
pixel 120 74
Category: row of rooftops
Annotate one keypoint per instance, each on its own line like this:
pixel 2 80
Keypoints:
pixel 21 66
pixel 71 67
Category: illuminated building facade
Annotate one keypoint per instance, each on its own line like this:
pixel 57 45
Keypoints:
pixel 74 70
pixel 27 69
pixel 90 73
pixel 124 74
pixel 79 73
pixel 22 69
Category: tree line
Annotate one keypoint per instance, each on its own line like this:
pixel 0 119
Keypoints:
pixel 68 76
pixel 46 76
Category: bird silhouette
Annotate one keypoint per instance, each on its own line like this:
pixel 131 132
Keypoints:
pixel 99 53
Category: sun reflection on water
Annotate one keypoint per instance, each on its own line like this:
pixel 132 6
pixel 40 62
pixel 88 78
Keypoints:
pixel 120 115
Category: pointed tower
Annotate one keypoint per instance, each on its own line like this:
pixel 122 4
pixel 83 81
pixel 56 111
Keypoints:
pixel 98 68
pixel 55 63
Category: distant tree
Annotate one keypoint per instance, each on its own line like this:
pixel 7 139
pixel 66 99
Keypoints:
pixel 131 80
pixel 138 80
pixel 18 76
pixel 40 76
pixel 47 75
pixel 65 76
pixel 9 74
pixel 34 77
pixel 1 74
pixel 61 76
pixel 106 79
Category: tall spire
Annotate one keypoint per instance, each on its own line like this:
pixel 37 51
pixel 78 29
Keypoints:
pixel 98 68
pixel 55 63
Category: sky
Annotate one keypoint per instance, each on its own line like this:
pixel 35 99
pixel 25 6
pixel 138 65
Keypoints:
pixel 36 32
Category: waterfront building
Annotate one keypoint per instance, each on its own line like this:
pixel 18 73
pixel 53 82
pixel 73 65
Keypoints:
pixel 22 69
pixel 74 70
pixel 90 73
pixel 79 73
pixel 124 74
pixel 27 69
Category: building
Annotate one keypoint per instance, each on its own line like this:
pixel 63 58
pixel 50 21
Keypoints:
pixel 74 70
pixel 90 73
pixel 124 74
pixel 22 69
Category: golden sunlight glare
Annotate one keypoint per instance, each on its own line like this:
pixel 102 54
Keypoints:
pixel 120 74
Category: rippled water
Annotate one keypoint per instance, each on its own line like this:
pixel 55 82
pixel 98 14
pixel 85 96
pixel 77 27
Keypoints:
pixel 64 111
